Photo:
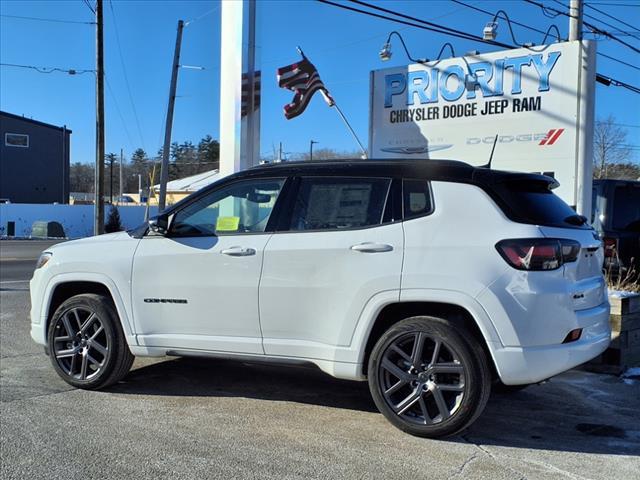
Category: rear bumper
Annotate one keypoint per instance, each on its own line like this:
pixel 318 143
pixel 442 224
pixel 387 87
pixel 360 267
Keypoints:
pixel 523 365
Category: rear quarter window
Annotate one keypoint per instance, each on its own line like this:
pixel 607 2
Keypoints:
pixel 533 202
pixel 416 198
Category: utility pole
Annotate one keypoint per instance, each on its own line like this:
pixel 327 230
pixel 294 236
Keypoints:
pixel 98 223
pixel 584 174
pixel 121 172
pixel 575 20
pixel 311 149
pixel 280 153
pixel 164 171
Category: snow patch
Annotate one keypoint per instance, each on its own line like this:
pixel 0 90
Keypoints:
pixel 622 294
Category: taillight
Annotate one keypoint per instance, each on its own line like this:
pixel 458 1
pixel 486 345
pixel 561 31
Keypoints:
pixel 538 253
pixel 610 246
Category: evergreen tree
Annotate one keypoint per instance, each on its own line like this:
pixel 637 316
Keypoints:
pixel 208 154
pixel 114 223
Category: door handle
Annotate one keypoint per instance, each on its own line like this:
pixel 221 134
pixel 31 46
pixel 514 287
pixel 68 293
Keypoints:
pixel 368 247
pixel 238 251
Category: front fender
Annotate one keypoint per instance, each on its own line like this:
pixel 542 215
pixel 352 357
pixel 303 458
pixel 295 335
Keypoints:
pixel 117 296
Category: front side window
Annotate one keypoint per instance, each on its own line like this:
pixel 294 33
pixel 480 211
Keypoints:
pixel 243 207
pixel 339 202
pixel 16 140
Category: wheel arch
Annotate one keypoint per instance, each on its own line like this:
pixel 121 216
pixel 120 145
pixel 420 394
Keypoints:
pixel 461 316
pixel 63 287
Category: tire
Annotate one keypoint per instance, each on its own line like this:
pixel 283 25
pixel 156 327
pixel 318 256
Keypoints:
pixel 423 395
pixel 87 346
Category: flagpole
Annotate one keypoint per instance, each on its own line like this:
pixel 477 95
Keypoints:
pixel 332 103
pixel 346 122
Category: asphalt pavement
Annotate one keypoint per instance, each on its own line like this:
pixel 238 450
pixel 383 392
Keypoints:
pixel 18 258
pixel 193 418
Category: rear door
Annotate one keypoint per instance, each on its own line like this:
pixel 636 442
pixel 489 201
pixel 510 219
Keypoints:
pixel 339 248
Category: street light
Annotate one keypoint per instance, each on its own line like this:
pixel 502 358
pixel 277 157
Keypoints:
pixel 311 142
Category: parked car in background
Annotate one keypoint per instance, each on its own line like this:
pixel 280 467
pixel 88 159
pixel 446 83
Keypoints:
pixel 616 217
pixel 430 279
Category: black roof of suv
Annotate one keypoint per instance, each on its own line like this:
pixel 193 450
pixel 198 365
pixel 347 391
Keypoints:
pixel 442 170
pixel 523 197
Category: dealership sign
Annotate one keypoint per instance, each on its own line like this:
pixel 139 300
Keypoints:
pixel 533 99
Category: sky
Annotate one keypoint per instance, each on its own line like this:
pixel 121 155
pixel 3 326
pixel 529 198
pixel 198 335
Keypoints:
pixel 344 46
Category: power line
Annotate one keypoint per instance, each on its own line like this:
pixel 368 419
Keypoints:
pixel 434 26
pixel 616 83
pixel 626 125
pixel 618 60
pixel 53 20
pixel 523 25
pixel 86 2
pixel 456 33
pixel 70 71
pixel 115 102
pixel 589 25
pixel 208 12
pixel 612 17
pixel 614 4
pixel 592 17
pixel 477 9
pixel 126 77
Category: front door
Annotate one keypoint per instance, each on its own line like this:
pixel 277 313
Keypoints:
pixel 197 286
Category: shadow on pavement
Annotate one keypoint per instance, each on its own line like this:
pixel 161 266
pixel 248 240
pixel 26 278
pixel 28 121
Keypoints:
pixel 226 378
pixel 559 416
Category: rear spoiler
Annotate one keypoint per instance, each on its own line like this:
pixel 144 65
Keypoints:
pixel 525 181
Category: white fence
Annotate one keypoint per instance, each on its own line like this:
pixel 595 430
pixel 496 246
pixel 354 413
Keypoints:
pixel 77 220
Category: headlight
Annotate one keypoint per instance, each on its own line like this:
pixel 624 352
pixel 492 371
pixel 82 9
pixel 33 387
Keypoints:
pixel 44 258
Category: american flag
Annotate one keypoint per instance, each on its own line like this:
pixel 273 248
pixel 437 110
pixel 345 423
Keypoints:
pixel 303 79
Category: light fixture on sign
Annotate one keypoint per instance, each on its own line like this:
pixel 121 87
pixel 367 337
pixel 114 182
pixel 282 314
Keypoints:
pixel 490 31
pixel 385 53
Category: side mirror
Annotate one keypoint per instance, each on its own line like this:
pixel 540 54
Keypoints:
pixel 159 224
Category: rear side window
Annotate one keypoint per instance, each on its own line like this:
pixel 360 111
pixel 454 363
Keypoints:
pixel 339 203
pixel 533 202
pixel 416 198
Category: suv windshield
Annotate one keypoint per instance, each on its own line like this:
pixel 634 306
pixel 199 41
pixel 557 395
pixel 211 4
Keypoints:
pixel 533 202
pixel 626 210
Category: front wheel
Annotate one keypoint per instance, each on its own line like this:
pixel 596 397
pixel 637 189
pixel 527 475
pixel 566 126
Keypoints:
pixel 427 379
pixel 86 343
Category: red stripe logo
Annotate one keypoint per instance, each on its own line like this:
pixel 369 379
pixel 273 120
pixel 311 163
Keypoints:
pixel 552 136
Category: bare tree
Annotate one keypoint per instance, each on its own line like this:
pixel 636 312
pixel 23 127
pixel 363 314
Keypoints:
pixel 609 146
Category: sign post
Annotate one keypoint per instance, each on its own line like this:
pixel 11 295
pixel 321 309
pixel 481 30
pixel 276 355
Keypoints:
pixel 239 124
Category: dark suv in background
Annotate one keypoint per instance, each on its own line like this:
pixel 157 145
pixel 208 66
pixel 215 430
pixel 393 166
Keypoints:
pixel 616 217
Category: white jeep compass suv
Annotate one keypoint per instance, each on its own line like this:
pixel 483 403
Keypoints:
pixel 431 279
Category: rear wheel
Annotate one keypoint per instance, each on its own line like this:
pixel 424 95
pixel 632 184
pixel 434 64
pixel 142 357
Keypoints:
pixel 427 378
pixel 86 342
